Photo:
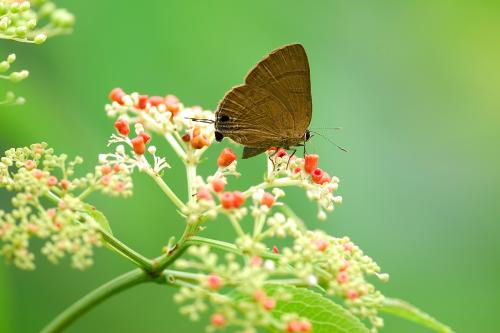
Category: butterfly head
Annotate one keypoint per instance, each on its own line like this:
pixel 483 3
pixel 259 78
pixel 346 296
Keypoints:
pixel 307 135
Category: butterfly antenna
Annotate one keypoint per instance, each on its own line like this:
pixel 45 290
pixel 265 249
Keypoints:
pixel 206 121
pixel 328 128
pixel 331 141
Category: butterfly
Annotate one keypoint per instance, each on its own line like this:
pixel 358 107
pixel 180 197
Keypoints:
pixel 273 108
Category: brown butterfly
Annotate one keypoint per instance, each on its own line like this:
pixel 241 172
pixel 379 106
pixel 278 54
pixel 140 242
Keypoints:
pixel 274 106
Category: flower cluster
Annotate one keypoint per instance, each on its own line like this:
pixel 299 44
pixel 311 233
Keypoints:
pixel 29 22
pixel 234 289
pixel 19 20
pixel 48 204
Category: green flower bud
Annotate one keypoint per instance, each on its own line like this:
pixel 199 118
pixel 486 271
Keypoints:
pixel 20 100
pixel 21 31
pixel 18 76
pixel 31 24
pixel 11 58
pixel 4 66
pixel 24 6
pixel 47 9
pixel 11 31
pixel 4 23
pixel 62 18
pixel 14 7
pixel 40 38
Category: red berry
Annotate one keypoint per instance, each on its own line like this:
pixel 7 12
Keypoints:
pixel 275 249
pixel 38 174
pixel 122 126
pixel 310 162
pixel 145 137
pixel 173 107
pixel 281 152
pixel 156 100
pixel 106 169
pixel 218 320
pixel 186 137
pixel 142 102
pixel 218 185
pixel 138 145
pixel 317 175
pixel 214 281
pixel 267 199
pixel 238 199
pixel 171 99
pixel 227 200
pixel 297 170
pixel 199 141
pixel 226 157
pixel 116 167
pixel 116 95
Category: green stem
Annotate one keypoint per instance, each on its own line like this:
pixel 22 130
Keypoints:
pixel 95 297
pixel 166 189
pixel 126 251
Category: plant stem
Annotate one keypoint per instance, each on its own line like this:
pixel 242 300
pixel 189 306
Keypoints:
pixel 166 189
pixel 95 297
pixel 126 251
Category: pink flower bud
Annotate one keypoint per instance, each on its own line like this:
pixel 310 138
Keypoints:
pixel 116 95
pixel 214 282
pixel 218 320
pixel 217 185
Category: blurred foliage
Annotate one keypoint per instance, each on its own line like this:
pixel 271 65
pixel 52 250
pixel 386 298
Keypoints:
pixel 414 85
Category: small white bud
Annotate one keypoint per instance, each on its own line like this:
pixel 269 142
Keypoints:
pixel 269 265
pixel 11 58
pixel 40 38
pixel 152 150
pixel 102 158
pixel 139 128
pixel 120 149
pixel 321 215
pixel 337 199
pixel 312 280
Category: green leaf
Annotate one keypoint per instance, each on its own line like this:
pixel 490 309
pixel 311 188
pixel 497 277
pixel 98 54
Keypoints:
pixel 409 312
pixel 99 217
pixel 324 315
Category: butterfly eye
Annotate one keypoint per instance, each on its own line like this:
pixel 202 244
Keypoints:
pixel 224 118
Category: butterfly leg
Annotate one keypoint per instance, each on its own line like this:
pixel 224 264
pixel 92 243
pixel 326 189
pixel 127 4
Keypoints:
pixel 290 157
pixel 271 156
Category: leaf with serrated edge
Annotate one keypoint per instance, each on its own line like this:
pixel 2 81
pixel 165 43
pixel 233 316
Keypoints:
pixel 324 315
pixel 407 311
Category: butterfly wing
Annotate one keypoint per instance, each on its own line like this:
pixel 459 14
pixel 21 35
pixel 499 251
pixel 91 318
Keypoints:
pixel 274 105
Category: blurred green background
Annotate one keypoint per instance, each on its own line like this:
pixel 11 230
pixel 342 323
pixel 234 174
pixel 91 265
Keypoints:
pixel 414 84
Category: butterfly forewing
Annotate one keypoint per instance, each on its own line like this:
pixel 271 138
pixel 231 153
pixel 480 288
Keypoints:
pixel 273 107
